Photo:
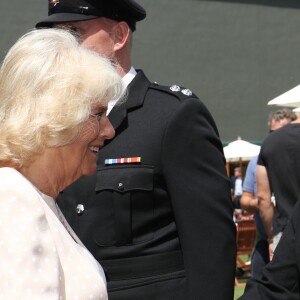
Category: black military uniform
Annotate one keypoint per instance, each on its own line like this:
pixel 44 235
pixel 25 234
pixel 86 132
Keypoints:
pixel 158 212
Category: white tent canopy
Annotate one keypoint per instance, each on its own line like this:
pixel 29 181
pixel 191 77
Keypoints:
pixel 297 109
pixel 291 98
pixel 240 150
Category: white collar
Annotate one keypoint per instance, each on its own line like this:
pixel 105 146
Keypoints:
pixel 126 81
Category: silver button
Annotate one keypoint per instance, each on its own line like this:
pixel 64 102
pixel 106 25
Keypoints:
pixel 120 186
pixel 175 88
pixel 187 92
pixel 80 209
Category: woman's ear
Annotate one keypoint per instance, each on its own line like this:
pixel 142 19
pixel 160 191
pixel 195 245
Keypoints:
pixel 121 35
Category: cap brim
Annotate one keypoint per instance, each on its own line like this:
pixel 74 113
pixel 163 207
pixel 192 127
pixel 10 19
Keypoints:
pixel 63 17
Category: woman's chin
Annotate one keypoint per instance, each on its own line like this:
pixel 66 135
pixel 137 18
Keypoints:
pixel 90 171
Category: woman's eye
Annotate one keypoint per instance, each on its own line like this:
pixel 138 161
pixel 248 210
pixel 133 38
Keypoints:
pixel 100 113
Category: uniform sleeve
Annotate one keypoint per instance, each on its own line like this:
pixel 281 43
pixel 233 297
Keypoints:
pixel 194 167
pixel 29 265
pixel 280 278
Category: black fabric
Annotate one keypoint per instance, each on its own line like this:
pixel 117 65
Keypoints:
pixel 114 178
pixel 169 286
pixel 280 155
pixel 260 257
pixel 280 278
pixel 176 199
pixel 143 266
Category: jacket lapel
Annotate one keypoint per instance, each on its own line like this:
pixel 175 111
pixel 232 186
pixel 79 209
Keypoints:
pixel 135 98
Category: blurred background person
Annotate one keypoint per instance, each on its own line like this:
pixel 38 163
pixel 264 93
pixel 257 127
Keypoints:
pixel 53 99
pixel 237 187
pixel 280 118
pixel 249 202
pixel 277 175
pixel 280 278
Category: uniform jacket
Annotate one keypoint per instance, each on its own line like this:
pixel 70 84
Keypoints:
pixel 161 228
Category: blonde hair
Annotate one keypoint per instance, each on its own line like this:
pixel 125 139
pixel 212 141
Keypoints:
pixel 48 83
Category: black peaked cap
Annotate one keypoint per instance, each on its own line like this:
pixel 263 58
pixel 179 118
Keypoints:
pixel 80 10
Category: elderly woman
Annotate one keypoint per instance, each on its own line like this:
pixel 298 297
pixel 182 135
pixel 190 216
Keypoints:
pixel 53 99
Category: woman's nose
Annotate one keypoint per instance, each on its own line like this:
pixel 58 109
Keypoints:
pixel 106 129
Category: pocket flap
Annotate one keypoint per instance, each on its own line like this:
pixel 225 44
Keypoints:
pixel 125 178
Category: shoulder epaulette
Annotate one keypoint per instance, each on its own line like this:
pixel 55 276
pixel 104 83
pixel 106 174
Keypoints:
pixel 174 89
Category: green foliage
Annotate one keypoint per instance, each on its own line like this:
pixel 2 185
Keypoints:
pixel 238 292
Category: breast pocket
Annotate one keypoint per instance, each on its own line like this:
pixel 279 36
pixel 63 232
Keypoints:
pixel 131 191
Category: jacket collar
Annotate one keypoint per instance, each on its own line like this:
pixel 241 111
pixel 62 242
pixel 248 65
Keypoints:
pixel 136 92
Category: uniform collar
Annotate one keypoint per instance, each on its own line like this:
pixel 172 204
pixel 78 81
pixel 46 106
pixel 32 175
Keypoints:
pixel 137 90
pixel 125 81
pixel 129 77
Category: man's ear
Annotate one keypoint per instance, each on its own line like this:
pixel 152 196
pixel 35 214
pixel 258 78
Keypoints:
pixel 121 35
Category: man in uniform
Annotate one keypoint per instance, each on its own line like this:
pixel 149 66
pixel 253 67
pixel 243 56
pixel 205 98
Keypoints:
pixel 157 214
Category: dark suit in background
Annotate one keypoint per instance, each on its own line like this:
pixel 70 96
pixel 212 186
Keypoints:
pixel 280 278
